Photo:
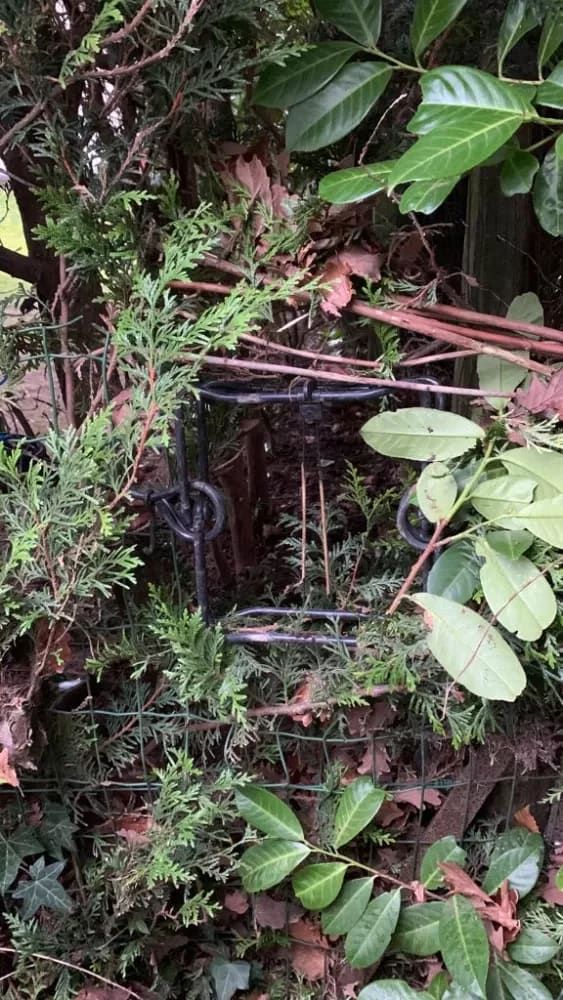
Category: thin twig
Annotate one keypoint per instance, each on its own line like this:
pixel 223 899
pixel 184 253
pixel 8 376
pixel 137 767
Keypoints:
pixel 65 349
pixel 129 28
pixel 129 993
pixel 150 417
pixel 485 319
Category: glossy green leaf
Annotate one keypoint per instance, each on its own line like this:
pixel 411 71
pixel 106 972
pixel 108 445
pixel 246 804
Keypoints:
pixel 347 909
pixel 267 864
pixel 458 88
pixel 544 467
pixel 462 139
pixel 551 91
pixel 439 985
pixel 526 307
pixel 511 544
pixel 421 433
pixel 455 574
pixel 43 889
pixel 267 813
pixel 302 75
pixel 360 19
pixel 426 196
pixel 533 947
pixel 391 989
pixel 431 18
pixel 548 192
pixel 335 110
pixel 520 598
pixel 544 519
pixel 521 984
pixel 517 172
pixel 517 856
pixel 358 805
pixel 464 944
pixel 496 374
pixel 519 19
pixel 496 989
pixel 502 498
pixel 10 862
pixel 355 183
pixel 456 992
pixel 229 977
pixel 317 886
pixel 551 36
pixel 418 930
pixel 471 650
pixel 436 491
pixel 369 938
pixel 446 849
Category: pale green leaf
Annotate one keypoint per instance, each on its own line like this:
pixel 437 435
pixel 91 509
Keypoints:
pixel 426 196
pixel 360 19
pixel 517 172
pixel 436 491
pixel 391 989
pixel 431 18
pixel 517 593
pixel 421 433
pixel 358 805
pixel 418 930
pixel 501 499
pixel 439 985
pixel 471 650
pixel 317 886
pixel 43 889
pixel 533 947
pixel 446 849
pixel 461 140
pixel 544 519
pixel 455 574
pixel 519 19
pixel 495 373
pixel 347 909
pixel 370 937
pixel 521 984
pixel 517 856
pixel 527 308
pixel 551 36
pixel 544 467
pixel 548 193
pixel 355 183
pixel 229 977
pixel 511 544
pixel 267 813
pixel 338 108
pixel 10 862
pixel 464 944
pixel 550 93
pixel 267 864
pixel 302 75
pixel 459 88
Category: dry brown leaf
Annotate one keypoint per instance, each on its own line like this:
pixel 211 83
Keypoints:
pixel 523 817
pixel 8 775
pixel 336 274
pixel 391 814
pixel 134 828
pixel 236 901
pixel 501 912
pixel 309 957
pixel 418 797
pixel 103 993
pixel 460 881
pixel 375 761
pixel 361 262
pixel 252 175
pixel 542 396
pixel 275 913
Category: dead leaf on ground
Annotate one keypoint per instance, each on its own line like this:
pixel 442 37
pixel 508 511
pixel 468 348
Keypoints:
pixel 275 913
pixel 543 396
pixel 336 275
pixel 523 817
pixel 8 775
pixel 390 814
pixel 501 910
pixel 236 902
pixel 418 797
pixel 103 993
pixel 134 828
pixel 375 761
pixel 309 950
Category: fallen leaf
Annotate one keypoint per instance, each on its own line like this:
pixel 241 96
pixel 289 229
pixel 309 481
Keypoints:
pixel 501 912
pixel 252 175
pixel 418 891
pixel 361 262
pixel 308 958
pixel 134 828
pixel 523 817
pixel 418 797
pixel 375 761
pixel 275 913
pixel 236 902
pixel 461 882
pixel 8 775
pixel 336 274
pixel 103 993
pixel 543 396
pixel 121 407
pixel 390 814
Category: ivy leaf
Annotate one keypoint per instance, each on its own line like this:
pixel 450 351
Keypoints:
pixel 548 191
pixel 533 947
pixel 317 886
pixel 550 93
pixel 521 984
pixel 517 594
pixel 462 139
pixel 228 977
pixel 545 467
pixel 360 19
pixel 517 856
pixel 431 18
pixel 426 196
pixel 10 862
pixel 446 849
pixel 464 944
pixel 335 110
pixel 544 519
pixel 390 989
pixel 551 36
pixel 418 930
pixel 436 491
pixel 267 813
pixel 471 650
pixel 267 864
pixel 347 909
pixel 452 88
pixel 518 20
pixel 343 187
pixel 502 498
pixel 370 937
pixel 421 433
pixel 302 75
pixel 455 574
pixel 25 842
pixel 43 889
pixel 358 805
pixel 56 829
pixel 511 544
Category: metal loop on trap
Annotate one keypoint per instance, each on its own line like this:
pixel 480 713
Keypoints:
pixel 179 516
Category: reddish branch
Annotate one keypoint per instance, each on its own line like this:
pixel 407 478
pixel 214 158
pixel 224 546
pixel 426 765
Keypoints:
pixel 458 314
